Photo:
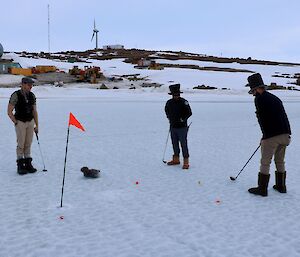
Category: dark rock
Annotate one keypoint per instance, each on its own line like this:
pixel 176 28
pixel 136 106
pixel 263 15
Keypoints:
pixel 90 173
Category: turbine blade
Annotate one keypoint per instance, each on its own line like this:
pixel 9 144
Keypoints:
pixel 93 36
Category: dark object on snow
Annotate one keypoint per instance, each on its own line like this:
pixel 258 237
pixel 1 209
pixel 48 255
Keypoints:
pixel 25 166
pixel 204 87
pixel 103 86
pixel 90 173
pixel 262 189
pixel 28 165
pixel 280 182
pixel 21 167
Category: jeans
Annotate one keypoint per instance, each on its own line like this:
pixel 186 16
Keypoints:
pixel 179 135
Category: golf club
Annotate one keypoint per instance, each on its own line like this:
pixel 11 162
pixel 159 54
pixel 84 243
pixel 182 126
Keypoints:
pixel 37 138
pixel 163 159
pixel 234 178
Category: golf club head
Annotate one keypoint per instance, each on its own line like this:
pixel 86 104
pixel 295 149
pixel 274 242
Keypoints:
pixel 164 161
pixel 44 170
pixel 232 178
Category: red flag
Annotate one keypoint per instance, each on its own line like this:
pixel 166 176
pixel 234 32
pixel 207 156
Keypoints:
pixel 73 121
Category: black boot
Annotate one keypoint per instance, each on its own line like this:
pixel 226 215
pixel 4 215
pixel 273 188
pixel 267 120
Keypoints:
pixel 262 189
pixel 280 178
pixel 28 165
pixel 21 167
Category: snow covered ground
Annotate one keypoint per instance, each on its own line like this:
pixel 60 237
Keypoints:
pixel 140 207
pixel 170 212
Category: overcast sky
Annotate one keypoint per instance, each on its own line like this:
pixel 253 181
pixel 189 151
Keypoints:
pixel 267 29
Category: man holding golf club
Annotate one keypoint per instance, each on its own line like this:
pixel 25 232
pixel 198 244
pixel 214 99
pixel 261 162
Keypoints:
pixel 25 119
pixel 276 137
pixel 178 111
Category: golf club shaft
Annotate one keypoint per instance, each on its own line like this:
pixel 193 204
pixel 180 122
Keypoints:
pixel 37 137
pixel 247 162
pixel 42 156
pixel 166 145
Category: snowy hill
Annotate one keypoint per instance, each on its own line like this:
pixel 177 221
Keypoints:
pixel 282 74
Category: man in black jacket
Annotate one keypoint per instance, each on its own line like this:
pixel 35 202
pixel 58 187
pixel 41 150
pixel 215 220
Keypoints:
pixel 23 101
pixel 276 137
pixel 178 111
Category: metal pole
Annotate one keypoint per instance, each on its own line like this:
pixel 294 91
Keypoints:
pixel 63 183
pixel 49 28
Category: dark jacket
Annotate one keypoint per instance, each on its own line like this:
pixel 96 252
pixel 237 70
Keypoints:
pixel 178 111
pixel 271 115
pixel 24 106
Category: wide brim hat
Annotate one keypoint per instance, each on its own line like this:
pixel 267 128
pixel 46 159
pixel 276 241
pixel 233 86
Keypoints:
pixel 255 81
pixel 174 89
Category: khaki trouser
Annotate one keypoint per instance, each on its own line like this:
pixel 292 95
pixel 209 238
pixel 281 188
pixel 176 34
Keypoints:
pixel 24 132
pixel 274 146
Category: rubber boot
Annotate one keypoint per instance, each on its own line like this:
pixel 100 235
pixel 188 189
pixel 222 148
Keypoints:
pixel 175 160
pixel 262 189
pixel 21 167
pixel 186 164
pixel 280 178
pixel 28 165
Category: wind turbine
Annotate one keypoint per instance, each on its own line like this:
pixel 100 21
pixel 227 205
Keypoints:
pixel 95 31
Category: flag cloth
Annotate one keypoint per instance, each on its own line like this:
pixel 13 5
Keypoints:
pixel 73 121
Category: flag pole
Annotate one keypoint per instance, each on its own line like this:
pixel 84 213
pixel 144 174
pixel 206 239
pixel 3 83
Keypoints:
pixel 63 183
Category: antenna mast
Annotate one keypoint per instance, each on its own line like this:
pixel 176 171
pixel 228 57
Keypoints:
pixel 49 28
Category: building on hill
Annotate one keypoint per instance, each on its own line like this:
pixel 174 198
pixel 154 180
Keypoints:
pixel 113 47
pixel 144 62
